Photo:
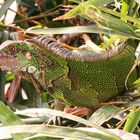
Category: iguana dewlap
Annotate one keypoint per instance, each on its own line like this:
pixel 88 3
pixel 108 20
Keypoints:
pixel 86 78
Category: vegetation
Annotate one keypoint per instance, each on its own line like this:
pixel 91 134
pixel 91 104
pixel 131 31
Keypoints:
pixel 24 114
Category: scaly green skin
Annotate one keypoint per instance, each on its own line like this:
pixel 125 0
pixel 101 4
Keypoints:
pixel 99 81
pixel 80 83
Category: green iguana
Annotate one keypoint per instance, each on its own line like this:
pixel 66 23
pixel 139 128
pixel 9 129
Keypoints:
pixel 80 77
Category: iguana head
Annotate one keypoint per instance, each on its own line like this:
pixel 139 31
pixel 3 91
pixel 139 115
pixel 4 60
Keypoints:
pixel 31 61
pixel 21 58
pixel 20 53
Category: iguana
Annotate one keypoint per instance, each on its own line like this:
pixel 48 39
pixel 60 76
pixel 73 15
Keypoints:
pixel 80 77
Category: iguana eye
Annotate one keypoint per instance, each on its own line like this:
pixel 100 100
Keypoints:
pixel 31 69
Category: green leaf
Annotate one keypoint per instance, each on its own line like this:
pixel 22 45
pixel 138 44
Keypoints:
pixel 7 116
pixel 81 29
pixel 104 113
pixel 76 1
pixel 54 132
pixel 99 2
pixel 20 136
pixel 46 112
pixel 106 18
pixel 132 120
pixel 10 77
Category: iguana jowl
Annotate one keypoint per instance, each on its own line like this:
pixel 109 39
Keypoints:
pixel 79 77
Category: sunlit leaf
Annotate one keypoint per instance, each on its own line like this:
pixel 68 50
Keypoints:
pixel 45 111
pixel 104 113
pixel 7 116
pixel 132 120
pixel 5 6
pixel 79 29
pixel 55 132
